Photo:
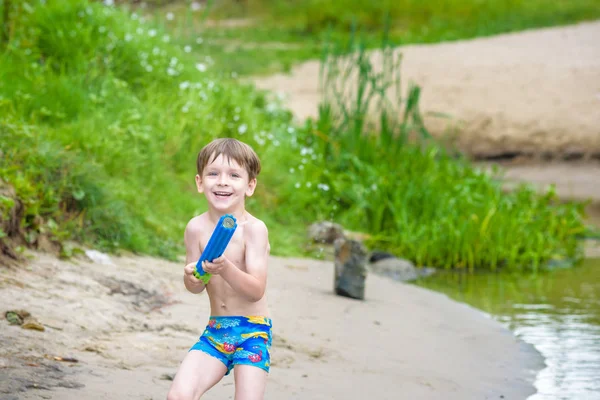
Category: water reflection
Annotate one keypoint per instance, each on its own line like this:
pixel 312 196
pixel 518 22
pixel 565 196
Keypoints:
pixel 557 311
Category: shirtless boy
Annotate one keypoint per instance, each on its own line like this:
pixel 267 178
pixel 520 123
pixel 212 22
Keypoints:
pixel 238 334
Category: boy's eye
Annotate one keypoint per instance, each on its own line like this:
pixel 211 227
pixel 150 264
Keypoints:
pixel 235 175
pixel 212 173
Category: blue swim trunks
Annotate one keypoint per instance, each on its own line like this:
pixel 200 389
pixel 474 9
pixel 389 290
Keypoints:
pixel 237 341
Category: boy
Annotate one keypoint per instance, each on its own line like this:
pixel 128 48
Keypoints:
pixel 238 334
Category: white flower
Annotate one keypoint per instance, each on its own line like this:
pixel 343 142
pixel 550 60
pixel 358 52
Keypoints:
pixel 156 51
pixel 171 71
pixel 149 68
pixel 242 129
pixel 297 185
pixel 128 37
pixel 292 170
pixel 323 187
pixel 134 16
pixel 373 187
pixel 195 6
pixel 199 40
pixel 201 67
pixel 166 39
pixel 184 85
pixel 187 49
pixel 308 184
pixel 170 16
pixel 152 32
pixel 109 3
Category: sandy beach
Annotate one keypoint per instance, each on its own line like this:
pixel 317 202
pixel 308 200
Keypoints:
pixel 129 324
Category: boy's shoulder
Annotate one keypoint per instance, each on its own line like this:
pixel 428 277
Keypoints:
pixel 197 223
pixel 255 225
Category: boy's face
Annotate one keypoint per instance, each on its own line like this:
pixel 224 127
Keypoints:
pixel 225 184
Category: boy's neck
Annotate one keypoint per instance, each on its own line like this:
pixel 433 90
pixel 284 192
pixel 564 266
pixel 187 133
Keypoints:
pixel 239 214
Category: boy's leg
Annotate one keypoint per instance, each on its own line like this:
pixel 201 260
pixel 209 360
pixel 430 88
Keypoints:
pixel 197 373
pixel 250 382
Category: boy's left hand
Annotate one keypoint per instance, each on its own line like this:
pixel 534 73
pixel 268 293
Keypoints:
pixel 216 267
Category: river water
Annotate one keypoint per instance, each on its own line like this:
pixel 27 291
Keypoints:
pixel 556 311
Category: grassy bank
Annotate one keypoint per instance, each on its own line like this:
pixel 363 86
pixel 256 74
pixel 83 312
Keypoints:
pixel 295 30
pixel 99 138
pixel 410 20
pixel 103 114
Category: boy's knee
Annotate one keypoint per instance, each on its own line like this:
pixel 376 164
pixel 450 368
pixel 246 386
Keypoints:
pixel 180 394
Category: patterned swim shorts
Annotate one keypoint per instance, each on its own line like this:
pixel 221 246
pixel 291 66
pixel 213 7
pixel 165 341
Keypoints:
pixel 237 341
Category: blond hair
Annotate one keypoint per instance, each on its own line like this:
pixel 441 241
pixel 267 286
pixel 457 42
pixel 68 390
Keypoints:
pixel 233 149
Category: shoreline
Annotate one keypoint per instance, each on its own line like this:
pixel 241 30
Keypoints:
pixel 130 323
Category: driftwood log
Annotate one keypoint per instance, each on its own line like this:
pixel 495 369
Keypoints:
pixel 350 268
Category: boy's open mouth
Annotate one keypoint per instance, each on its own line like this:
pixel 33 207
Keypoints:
pixel 222 194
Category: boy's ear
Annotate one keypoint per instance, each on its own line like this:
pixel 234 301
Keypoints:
pixel 251 187
pixel 199 184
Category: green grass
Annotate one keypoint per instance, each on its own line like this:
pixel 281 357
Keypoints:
pixel 412 20
pixel 305 24
pixel 103 115
pixel 127 111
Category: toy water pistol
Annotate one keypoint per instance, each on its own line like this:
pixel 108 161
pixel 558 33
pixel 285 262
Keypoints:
pixel 216 244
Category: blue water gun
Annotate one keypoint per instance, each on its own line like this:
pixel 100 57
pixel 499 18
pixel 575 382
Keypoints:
pixel 216 245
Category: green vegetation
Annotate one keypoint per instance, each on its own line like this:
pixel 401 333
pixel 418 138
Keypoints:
pixel 103 115
pixel 295 30
pixel 415 198
pixel 102 119
pixel 411 20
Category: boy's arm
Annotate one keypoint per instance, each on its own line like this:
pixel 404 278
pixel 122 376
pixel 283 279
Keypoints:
pixel 191 238
pixel 252 283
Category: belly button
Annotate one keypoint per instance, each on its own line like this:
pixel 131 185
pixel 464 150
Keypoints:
pixel 223 305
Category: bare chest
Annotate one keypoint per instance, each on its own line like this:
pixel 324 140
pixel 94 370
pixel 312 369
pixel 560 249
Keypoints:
pixel 235 249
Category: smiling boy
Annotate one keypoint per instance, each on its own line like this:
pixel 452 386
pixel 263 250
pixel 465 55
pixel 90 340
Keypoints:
pixel 238 333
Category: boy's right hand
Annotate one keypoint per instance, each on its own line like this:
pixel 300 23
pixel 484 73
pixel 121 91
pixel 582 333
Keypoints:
pixel 191 282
